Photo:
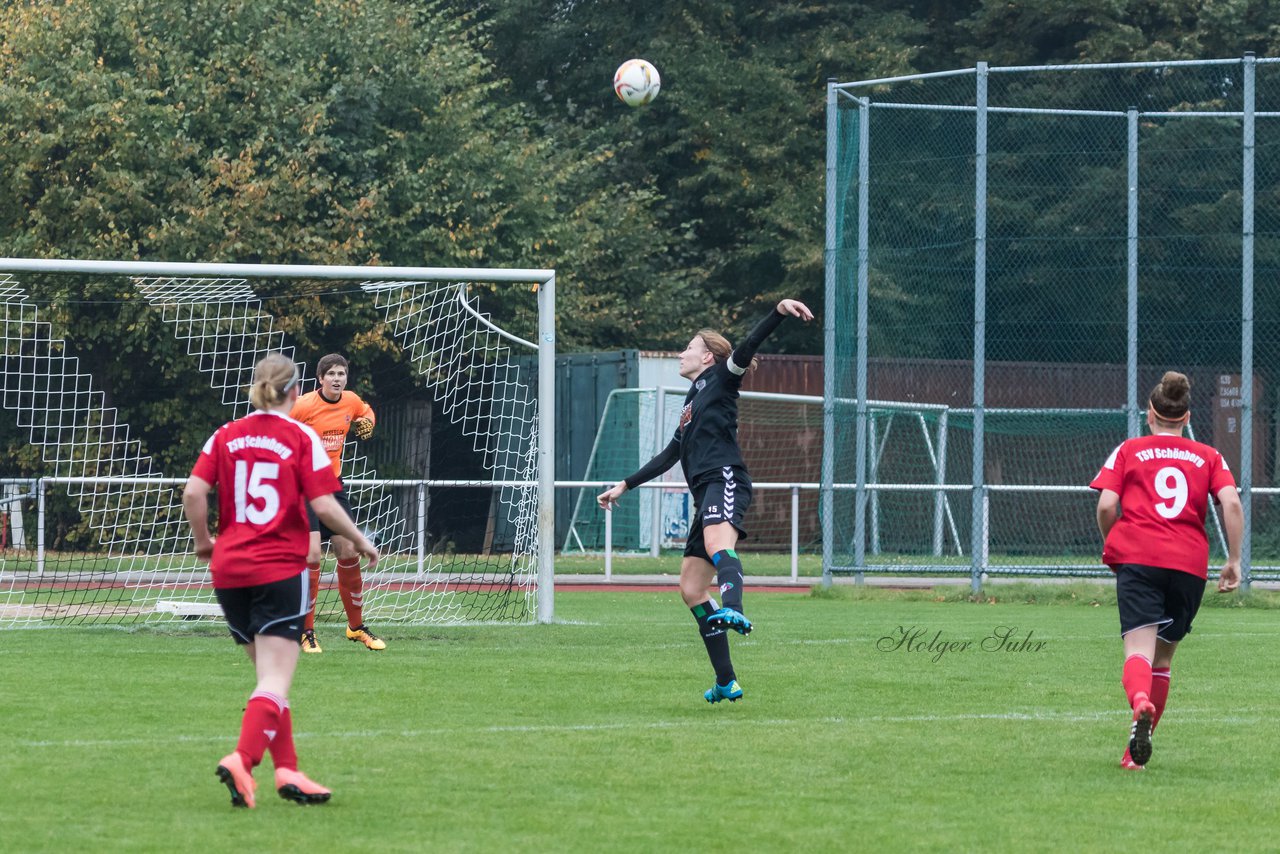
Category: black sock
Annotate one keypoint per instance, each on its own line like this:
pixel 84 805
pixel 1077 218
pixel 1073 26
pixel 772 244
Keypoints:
pixel 729 577
pixel 717 642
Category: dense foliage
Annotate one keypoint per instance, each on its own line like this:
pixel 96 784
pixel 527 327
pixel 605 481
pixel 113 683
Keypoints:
pixel 332 131
pixel 443 133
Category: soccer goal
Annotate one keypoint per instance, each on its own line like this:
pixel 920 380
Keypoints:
pixel 116 372
pixel 1037 463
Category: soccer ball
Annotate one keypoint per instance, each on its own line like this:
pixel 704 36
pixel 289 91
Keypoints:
pixel 637 82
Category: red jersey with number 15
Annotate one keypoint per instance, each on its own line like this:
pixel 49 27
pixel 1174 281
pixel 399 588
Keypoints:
pixel 1165 484
pixel 265 466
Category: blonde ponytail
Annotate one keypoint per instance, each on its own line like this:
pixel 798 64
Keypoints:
pixel 273 376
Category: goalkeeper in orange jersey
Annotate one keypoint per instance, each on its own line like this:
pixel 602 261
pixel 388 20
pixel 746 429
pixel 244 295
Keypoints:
pixel 331 411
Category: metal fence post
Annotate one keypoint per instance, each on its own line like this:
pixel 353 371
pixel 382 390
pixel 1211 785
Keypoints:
pixel 978 500
pixel 795 532
pixel 40 523
pixel 860 384
pixel 1131 320
pixel 940 478
pixel 655 524
pixel 608 545
pixel 1246 321
pixel 422 528
pixel 826 498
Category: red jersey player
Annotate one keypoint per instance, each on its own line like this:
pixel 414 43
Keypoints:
pixel 265 466
pixel 332 411
pixel 1153 498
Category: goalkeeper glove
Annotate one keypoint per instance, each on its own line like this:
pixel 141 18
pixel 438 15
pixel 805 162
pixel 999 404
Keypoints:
pixel 363 428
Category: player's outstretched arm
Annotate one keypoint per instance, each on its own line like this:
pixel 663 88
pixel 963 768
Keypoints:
pixel 665 459
pixel 746 351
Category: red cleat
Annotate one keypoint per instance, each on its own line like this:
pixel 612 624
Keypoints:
pixel 238 780
pixel 299 788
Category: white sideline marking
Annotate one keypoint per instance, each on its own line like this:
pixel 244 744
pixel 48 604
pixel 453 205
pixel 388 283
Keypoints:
pixel 1211 716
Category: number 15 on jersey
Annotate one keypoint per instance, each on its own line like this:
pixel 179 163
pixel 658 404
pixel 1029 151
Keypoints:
pixel 256 483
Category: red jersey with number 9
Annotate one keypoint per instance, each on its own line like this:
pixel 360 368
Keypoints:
pixel 265 466
pixel 1165 484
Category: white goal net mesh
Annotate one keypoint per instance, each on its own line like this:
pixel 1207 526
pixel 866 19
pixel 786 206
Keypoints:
pixel 781 440
pixel 91 524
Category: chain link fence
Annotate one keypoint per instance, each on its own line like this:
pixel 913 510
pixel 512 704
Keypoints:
pixel 1013 258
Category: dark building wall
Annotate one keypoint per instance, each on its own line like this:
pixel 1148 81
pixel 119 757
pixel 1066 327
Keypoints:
pixel 583 384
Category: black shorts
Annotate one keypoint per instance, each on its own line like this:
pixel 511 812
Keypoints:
pixel 1151 596
pixel 274 609
pixel 317 525
pixel 718 496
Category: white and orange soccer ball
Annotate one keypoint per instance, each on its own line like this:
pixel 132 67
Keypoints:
pixel 637 82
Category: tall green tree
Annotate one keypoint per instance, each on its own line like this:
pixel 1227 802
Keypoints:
pixel 1050 31
pixel 733 147
pixel 298 131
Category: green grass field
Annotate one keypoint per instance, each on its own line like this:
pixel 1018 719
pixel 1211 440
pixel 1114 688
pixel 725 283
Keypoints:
pixel 592 734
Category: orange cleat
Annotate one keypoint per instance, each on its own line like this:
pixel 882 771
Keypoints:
pixel 361 634
pixel 298 787
pixel 309 642
pixel 238 780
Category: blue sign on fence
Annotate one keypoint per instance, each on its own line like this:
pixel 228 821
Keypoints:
pixel 677 512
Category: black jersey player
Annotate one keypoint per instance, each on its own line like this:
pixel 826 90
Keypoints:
pixel 706 445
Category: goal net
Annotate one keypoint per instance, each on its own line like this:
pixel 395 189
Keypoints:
pixel 781 440
pixel 918 513
pixel 114 374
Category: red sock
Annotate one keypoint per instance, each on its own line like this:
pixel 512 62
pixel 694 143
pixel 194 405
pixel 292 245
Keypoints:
pixel 259 727
pixel 313 573
pixel 1137 677
pixel 283 754
pixel 1159 692
pixel 351 588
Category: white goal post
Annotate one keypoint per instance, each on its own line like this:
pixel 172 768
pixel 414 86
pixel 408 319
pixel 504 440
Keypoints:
pixel 129 557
